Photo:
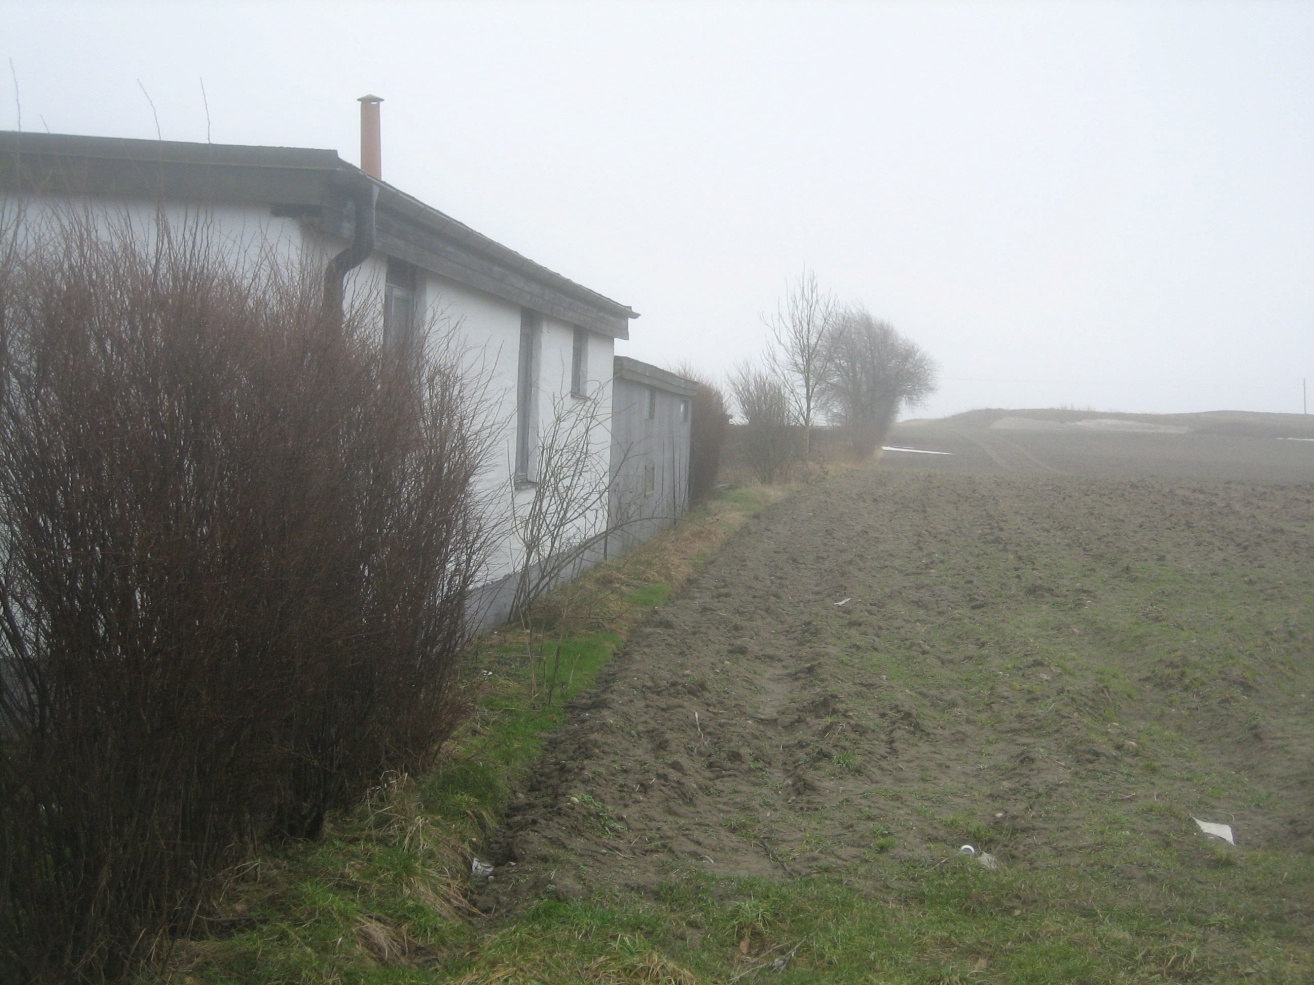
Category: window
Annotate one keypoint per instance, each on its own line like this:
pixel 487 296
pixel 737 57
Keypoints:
pixel 649 478
pixel 579 364
pixel 526 373
pixel 652 402
pixel 684 411
pixel 399 304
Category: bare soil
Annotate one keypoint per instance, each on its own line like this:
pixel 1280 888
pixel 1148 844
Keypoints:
pixel 832 693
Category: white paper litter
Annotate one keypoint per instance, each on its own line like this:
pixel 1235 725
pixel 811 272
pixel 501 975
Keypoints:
pixel 914 451
pixel 1223 831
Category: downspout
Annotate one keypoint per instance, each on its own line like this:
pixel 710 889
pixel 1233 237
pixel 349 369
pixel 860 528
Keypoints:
pixel 363 192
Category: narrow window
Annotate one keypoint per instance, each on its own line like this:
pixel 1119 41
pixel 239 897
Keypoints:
pixel 649 478
pixel 652 402
pixel 579 364
pixel 525 393
pixel 399 304
pixel 684 411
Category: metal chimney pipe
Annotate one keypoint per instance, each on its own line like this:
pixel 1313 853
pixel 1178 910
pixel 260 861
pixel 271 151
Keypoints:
pixel 371 139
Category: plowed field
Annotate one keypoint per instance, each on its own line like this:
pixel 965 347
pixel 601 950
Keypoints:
pixel 1060 642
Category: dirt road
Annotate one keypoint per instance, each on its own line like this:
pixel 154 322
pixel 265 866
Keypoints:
pixel 935 650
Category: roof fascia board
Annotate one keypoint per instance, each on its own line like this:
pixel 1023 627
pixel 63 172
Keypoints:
pixel 450 260
pixel 627 368
pixel 210 174
pixel 412 231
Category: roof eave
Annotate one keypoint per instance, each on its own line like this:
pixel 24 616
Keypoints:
pixel 420 234
pixel 636 371
pixel 304 182
pixel 60 164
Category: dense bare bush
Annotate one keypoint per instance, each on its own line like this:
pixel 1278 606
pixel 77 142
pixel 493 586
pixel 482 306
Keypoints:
pixel 236 538
pixel 709 420
pixel 770 442
pixel 872 372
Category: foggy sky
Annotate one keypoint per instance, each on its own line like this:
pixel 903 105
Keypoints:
pixel 1096 205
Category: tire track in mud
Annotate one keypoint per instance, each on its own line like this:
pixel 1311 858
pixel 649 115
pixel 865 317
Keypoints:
pixel 727 736
pixel 1009 456
pixel 714 701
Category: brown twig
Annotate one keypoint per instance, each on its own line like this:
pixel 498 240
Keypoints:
pixel 776 964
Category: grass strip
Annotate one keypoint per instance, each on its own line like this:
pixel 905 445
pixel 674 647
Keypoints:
pixel 381 898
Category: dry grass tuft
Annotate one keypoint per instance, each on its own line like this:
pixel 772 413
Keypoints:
pixel 387 945
pixel 394 809
pixel 504 973
pixel 652 967
pixel 649 967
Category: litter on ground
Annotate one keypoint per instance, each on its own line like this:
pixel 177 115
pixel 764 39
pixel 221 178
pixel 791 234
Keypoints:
pixel 984 858
pixel 1223 831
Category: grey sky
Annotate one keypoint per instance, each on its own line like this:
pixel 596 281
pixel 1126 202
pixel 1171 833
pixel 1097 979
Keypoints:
pixel 1097 205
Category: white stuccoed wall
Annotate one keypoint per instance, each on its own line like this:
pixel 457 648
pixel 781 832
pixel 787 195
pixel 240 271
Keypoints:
pixel 247 235
pixel 488 328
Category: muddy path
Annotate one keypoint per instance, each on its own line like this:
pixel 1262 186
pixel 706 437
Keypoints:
pixel 933 650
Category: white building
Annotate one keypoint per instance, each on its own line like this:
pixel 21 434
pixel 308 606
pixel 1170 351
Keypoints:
pixel 540 340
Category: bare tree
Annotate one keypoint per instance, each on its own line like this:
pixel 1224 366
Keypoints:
pixel 770 440
pixel 873 372
pixel 798 351
pixel 564 523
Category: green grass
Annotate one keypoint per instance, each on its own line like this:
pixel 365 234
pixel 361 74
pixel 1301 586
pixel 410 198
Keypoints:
pixel 381 900
pixel 650 596
pixel 1140 661
pixel 947 922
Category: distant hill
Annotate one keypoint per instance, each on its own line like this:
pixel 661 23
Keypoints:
pixel 1226 422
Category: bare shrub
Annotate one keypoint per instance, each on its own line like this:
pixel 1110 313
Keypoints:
pixel 709 419
pixel 236 538
pixel 561 527
pixel 770 443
